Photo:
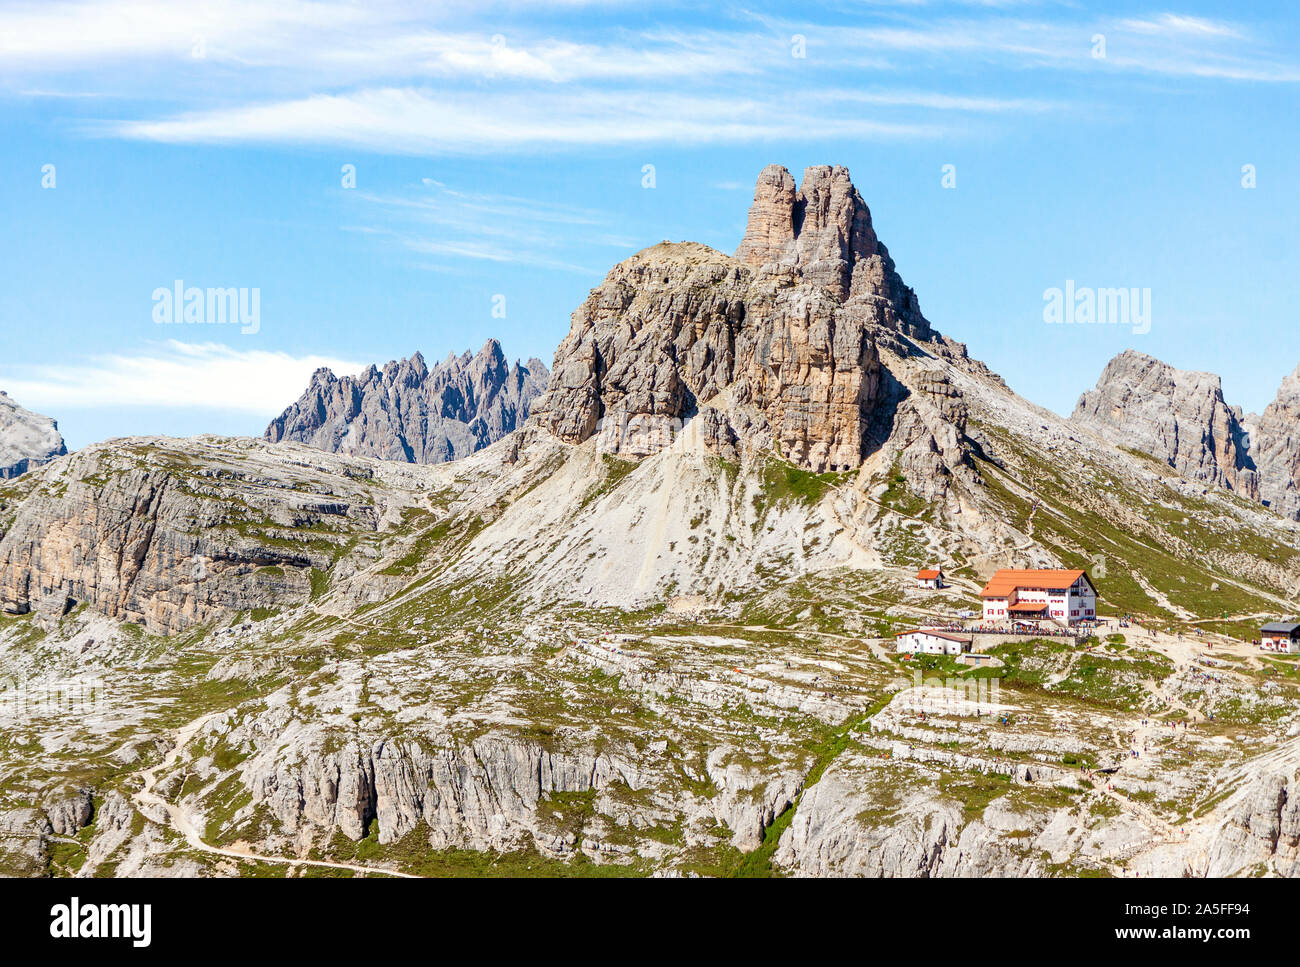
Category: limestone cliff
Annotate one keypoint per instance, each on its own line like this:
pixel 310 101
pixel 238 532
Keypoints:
pixel 168 534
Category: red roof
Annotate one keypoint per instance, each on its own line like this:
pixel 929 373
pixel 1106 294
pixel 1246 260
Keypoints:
pixel 926 575
pixel 1004 582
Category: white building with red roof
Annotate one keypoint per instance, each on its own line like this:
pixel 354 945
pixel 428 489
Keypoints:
pixel 1066 597
pixel 930 578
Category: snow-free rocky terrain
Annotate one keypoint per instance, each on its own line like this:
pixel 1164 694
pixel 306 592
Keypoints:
pixel 648 632
pixel 410 412
pixel 27 439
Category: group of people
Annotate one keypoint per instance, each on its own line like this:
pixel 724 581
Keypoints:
pixel 1027 631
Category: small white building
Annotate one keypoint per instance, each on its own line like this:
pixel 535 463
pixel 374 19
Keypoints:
pixel 1282 637
pixel 932 579
pixel 923 641
pixel 1067 597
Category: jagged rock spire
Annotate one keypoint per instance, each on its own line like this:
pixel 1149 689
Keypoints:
pixel 822 235
pixel 822 231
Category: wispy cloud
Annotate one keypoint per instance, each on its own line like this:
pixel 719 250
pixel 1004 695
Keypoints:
pixel 411 121
pixel 935 101
pixel 339 43
pixel 175 374
pixel 1172 24
pixel 448 79
pixel 1168 44
pixel 437 220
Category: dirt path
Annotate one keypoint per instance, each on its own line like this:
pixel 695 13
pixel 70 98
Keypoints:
pixel 182 823
pixel 1146 733
pixel 877 650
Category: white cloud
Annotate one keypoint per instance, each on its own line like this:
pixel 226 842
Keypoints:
pixel 395 76
pixel 933 100
pixel 1169 44
pixel 175 375
pixel 1172 23
pixel 334 43
pixel 435 219
pixel 410 121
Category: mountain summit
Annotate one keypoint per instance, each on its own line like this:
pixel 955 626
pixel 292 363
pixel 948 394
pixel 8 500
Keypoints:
pixel 1175 415
pixel 1180 417
pixel 1276 447
pixel 412 413
pixel 822 234
pixel 776 348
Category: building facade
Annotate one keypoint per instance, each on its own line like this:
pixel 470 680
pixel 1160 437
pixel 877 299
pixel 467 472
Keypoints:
pixel 1280 636
pixel 924 642
pixel 1065 597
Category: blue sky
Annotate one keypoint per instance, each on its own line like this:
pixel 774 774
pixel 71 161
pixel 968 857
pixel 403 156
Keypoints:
pixel 499 150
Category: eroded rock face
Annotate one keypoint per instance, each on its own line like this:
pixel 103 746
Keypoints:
pixel 775 348
pixel 412 413
pixel 170 533
pixel 1275 446
pixel 27 439
pixel 681 329
pixel 1175 415
pixel 68 816
pixel 770 234
pixel 1263 832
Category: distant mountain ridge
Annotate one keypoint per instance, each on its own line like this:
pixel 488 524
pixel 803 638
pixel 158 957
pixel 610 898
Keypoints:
pixel 414 413
pixel 1180 417
pixel 27 439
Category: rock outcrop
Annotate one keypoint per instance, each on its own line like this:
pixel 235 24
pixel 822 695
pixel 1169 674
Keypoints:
pixel 413 413
pixel 1175 415
pixel 1262 832
pixel 27 439
pixel 169 533
pixel 1275 446
pixel 774 349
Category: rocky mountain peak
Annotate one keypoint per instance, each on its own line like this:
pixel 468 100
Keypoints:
pixel 1276 449
pixel 410 412
pixel 27 439
pixel 822 234
pixel 771 232
pixel 774 349
pixel 1178 416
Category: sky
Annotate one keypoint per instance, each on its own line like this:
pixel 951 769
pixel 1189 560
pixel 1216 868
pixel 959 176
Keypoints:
pixel 379 178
